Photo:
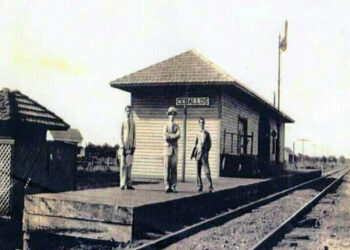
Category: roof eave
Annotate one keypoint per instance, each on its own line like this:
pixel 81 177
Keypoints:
pixel 130 86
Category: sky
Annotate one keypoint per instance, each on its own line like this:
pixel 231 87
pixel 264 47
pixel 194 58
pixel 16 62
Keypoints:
pixel 63 54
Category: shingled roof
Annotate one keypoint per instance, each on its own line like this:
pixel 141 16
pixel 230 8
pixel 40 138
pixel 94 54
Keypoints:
pixel 188 68
pixel 17 107
pixel 184 68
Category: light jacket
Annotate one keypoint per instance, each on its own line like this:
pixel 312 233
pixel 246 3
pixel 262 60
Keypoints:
pixel 128 134
pixel 171 136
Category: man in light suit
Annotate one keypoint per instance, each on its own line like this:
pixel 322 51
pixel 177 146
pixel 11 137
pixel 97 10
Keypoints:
pixel 171 136
pixel 127 149
pixel 201 153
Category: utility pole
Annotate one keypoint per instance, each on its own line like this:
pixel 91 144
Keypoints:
pixel 302 143
pixel 184 142
pixel 293 153
pixel 279 72
pixel 282 46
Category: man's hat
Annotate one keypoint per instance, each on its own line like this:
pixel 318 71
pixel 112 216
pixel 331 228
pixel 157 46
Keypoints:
pixel 172 110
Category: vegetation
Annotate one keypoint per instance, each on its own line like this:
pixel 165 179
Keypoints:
pixel 105 150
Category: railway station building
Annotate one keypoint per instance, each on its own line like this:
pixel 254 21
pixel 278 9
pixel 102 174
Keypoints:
pixel 245 129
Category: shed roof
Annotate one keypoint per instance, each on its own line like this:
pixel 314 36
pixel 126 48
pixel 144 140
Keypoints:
pixel 188 68
pixel 17 107
pixel 71 135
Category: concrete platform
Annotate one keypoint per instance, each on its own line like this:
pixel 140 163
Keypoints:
pixel 113 214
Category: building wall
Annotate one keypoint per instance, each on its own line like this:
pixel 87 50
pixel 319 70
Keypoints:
pixel 232 109
pixel 149 112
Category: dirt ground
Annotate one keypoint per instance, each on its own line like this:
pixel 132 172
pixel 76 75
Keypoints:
pixel 331 227
pixel 97 179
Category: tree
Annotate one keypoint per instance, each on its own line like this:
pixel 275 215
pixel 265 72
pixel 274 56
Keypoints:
pixel 105 150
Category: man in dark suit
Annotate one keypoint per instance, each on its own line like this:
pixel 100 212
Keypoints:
pixel 201 153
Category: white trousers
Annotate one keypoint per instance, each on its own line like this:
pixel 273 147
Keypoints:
pixel 125 172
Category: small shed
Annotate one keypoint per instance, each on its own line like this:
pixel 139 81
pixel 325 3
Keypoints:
pixel 71 136
pixel 23 149
pixel 243 126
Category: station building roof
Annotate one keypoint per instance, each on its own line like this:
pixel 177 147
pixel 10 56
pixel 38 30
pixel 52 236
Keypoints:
pixel 188 68
pixel 17 107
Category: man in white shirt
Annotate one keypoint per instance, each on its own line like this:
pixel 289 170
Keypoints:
pixel 128 136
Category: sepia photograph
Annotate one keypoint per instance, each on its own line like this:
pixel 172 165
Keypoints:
pixel 157 124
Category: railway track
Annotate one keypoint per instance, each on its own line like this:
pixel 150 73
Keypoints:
pixel 271 238
pixel 276 235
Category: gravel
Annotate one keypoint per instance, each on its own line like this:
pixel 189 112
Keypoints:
pixel 333 228
pixel 245 231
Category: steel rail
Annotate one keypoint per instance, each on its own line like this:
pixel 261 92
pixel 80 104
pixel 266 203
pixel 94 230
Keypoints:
pixel 276 235
pixel 171 238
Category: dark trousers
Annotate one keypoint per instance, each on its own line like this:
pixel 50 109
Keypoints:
pixel 203 161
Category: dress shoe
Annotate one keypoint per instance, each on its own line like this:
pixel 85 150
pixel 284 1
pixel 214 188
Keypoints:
pixel 130 188
pixel 200 189
pixel 123 188
pixel 168 190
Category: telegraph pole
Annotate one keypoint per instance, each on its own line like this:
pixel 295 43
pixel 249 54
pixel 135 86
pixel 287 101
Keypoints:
pixel 279 72
pixel 302 143
pixel 293 153
pixel 282 46
pixel 184 142
pixel 278 148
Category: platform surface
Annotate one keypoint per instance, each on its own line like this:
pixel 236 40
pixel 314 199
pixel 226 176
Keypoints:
pixel 145 193
pixel 123 215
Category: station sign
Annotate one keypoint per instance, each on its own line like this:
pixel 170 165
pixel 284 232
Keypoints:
pixel 192 101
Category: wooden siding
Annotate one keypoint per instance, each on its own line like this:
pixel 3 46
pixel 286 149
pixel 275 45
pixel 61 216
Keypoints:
pixel 282 141
pixel 150 117
pixel 232 109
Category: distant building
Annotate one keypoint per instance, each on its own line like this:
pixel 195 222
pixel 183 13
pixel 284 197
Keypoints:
pixel 242 124
pixel 72 135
